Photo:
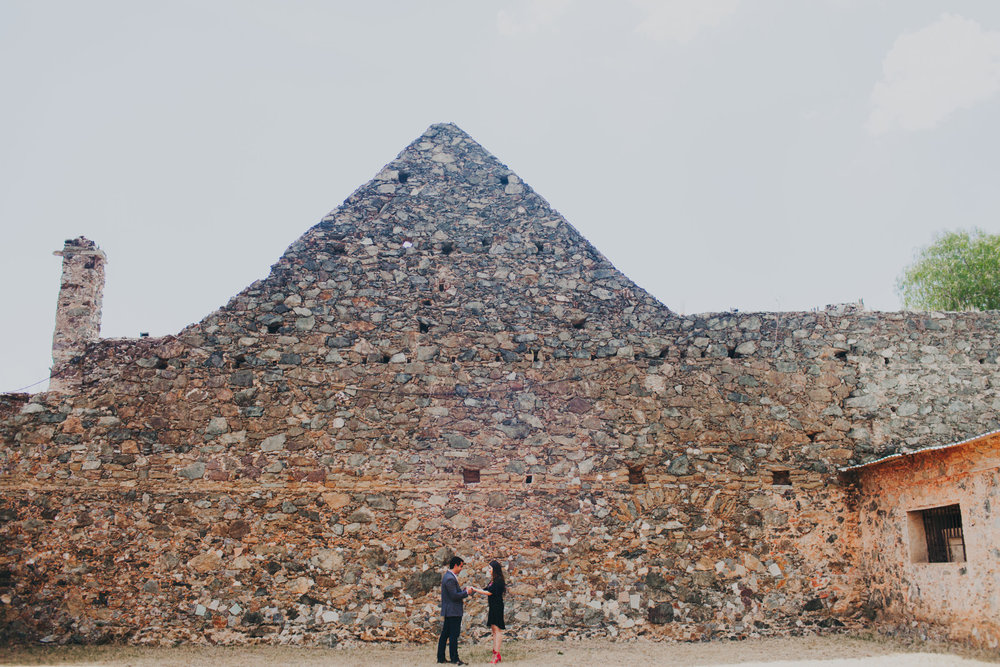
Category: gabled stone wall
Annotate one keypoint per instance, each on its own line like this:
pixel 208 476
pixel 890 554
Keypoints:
pixel 291 468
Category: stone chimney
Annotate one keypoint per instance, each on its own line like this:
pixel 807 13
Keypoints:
pixel 78 312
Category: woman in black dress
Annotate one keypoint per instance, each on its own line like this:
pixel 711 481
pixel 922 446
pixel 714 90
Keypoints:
pixel 494 618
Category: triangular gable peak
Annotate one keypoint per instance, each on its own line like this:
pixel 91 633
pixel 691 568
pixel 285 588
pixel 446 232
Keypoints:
pixel 444 240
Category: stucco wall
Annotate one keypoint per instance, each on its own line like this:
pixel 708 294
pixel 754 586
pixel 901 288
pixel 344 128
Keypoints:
pixel 963 596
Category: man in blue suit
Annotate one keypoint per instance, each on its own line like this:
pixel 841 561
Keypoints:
pixel 451 609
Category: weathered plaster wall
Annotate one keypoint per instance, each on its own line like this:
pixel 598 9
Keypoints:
pixel 964 597
pixel 291 468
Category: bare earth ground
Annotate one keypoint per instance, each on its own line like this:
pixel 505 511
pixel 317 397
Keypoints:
pixel 830 651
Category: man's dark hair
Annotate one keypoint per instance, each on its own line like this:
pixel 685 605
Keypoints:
pixel 455 560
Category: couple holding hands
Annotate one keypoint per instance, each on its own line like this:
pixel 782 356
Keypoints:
pixel 451 608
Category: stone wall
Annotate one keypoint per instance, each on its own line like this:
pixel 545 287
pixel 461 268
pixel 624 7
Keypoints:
pixel 358 491
pixel 78 310
pixel 964 597
pixel 298 465
pixel 11 404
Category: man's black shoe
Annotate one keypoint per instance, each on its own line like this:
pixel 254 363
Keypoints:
pixel 459 662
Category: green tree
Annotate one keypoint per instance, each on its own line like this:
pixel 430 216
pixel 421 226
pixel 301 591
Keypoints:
pixel 959 271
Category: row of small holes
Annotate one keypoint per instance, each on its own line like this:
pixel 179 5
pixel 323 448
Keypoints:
pixel 404 176
pixel 636 475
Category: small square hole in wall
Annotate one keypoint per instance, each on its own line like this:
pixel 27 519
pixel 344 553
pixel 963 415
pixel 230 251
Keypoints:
pixel 935 535
pixel 636 475
pixel 527 480
pixel 470 475
pixel 781 478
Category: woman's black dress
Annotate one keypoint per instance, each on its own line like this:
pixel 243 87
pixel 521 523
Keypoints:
pixel 495 600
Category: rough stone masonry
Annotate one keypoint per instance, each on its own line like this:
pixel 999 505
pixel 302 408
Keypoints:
pixel 444 365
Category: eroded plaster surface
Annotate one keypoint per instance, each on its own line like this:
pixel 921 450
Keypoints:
pixel 964 596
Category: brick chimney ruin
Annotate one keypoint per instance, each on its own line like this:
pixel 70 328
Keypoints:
pixel 78 311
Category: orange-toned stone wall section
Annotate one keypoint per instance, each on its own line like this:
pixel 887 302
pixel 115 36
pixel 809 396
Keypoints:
pixel 155 509
pixel 964 597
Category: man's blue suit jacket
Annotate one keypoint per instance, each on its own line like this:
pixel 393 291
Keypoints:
pixel 451 595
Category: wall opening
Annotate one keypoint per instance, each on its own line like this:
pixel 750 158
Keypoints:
pixel 527 480
pixel 470 475
pixel 936 535
pixel 636 475
pixel 781 478
pixel 403 176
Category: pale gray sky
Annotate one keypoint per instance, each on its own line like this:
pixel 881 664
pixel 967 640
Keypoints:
pixel 760 155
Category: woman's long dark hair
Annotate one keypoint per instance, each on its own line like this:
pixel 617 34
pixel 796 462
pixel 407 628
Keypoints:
pixel 498 575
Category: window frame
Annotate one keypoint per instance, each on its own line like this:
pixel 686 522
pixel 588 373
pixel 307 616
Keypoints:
pixel 936 534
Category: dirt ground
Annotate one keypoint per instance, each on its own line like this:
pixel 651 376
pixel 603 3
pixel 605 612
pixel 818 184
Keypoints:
pixel 817 651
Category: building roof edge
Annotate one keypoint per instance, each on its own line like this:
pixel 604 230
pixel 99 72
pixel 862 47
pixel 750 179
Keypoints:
pixel 902 455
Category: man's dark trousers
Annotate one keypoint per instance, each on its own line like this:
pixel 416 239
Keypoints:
pixel 449 633
pixel 451 610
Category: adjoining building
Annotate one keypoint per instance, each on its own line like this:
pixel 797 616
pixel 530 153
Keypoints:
pixel 928 536
pixel 444 364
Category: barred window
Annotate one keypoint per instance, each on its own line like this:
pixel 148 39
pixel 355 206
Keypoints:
pixel 936 535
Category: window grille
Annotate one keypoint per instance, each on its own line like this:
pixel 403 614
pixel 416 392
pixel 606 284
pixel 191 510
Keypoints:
pixel 936 535
pixel 470 475
pixel 943 529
